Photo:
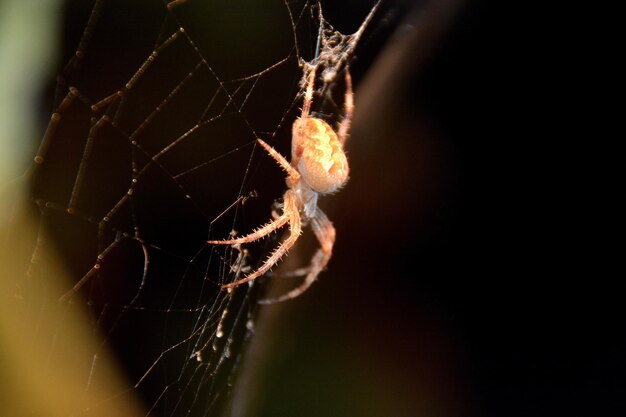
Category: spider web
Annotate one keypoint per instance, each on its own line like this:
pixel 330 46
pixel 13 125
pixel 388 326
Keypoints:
pixel 149 152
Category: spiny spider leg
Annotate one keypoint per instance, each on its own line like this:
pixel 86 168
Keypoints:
pixel 294 175
pixel 273 225
pixel 306 108
pixel 257 234
pixel 348 108
pixel 295 228
pixel 325 233
pixel 296 272
pixel 308 95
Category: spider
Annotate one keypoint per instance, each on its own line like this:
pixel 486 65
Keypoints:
pixel 318 166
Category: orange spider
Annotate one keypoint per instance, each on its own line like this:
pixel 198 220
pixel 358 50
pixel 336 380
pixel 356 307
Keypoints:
pixel 318 166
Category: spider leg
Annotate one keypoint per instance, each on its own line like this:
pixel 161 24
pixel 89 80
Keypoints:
pixel 348 104
pixel 308 95
pixel 296 150
pixel 293 174
pixel 325 233
pixel 257 234
pixel 268 228
pixel 296 272
pixel 295 228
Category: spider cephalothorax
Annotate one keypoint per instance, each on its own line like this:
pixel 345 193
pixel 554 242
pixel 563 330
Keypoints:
pixel 318 166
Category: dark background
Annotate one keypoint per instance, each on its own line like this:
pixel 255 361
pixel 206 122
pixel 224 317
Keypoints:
pixel 471 261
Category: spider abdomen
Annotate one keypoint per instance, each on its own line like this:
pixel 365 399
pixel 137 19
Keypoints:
pixel 322 162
